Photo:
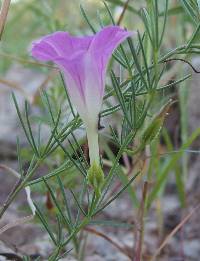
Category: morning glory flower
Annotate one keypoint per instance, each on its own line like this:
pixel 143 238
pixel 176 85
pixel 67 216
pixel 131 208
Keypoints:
pixel 83 61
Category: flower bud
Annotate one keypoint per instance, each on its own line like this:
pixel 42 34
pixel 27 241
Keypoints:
pixel 153 130
pixel 95 178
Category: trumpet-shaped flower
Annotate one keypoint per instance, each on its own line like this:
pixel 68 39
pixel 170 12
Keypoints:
pixel 83 61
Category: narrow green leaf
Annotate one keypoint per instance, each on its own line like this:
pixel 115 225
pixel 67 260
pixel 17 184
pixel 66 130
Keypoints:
pixel 45 224
pixel 117 195
pixel 87 19
pixel 163 175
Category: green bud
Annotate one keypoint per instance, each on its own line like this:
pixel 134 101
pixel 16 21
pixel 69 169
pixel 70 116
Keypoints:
pixel 153 130
pixel 95 178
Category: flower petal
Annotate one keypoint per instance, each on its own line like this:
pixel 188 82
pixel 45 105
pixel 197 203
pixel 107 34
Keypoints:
pixel 98 55
pixel 59 44
pixel 108 39
pixel 103 45
pixel 83 61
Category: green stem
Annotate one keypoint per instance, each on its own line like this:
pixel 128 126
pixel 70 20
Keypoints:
pixel 85 222
pixel 183 104
pixel 18 189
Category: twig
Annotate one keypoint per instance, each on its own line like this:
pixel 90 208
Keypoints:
pixel 100 234
pixel 10 170
pixel 3 15
pixel 139 242
pixel 7 202
pixel 15 85
pixel 126 161
pixel 16 189
pixel 123 12
pixel 166 240
pixel 42 86
pixel 27 189
pixel 23 61
pixel 182 60
pixel 15 223
pixel 30 98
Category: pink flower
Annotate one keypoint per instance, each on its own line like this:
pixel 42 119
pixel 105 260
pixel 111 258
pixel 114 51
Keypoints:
pixel 83 60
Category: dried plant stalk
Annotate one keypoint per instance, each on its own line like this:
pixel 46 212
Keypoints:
pixel 3 15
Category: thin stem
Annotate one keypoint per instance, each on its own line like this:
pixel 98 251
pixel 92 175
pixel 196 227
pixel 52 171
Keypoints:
pixel 85 222
pixel 18 188
pixel 139 243
pixel 3 15
pixel 110 240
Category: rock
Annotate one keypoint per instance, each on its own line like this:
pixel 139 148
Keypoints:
pixel 120 208
pixel 193 181
pixel 28 80
pixel 170 203
pixel 94 258
pixel 192 249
